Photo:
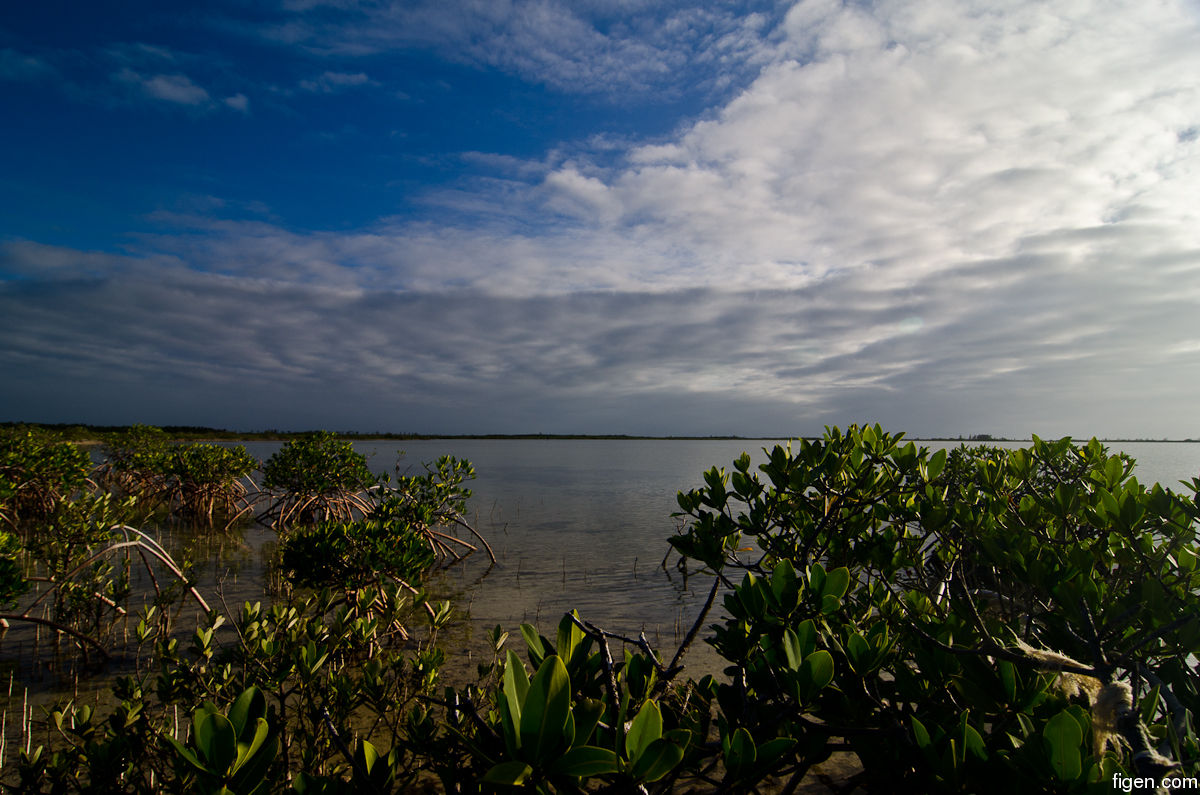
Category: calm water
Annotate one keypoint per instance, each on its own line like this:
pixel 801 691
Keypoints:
pixel 577 524
pixel 583 524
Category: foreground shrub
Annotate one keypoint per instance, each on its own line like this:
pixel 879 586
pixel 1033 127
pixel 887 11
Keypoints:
pixel 82 559
pixel 984 621
pixel 318 694
pixel 999 620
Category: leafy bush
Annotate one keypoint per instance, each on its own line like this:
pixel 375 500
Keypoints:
pixel 992 620
pixel 85 590
pixel 349 555
pixel 325 683
pixel 198 481
pixel 335 678
pixel 985 621
pixel 36 472
pixel 12 579
pixel 135 462
pixel 431 505
pixel 206 480
pixel 317 476
pixel 580 717
pixel 297 699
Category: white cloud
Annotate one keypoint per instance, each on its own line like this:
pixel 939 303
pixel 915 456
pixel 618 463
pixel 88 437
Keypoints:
pixel 175 88
pixel 835 351
pixel 237 102
pixel 918 139
pixel 582 196
pixel 332 82
pixel 958 163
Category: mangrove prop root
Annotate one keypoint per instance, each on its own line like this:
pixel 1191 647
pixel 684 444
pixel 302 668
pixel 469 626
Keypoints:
pixel 46 622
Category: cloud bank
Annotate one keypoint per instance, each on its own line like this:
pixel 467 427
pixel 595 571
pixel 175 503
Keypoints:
pixel 950 218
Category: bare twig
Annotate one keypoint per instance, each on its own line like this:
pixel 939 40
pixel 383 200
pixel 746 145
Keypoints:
pixel 673 668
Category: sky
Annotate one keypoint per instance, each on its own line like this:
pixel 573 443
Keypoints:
pixel 603 216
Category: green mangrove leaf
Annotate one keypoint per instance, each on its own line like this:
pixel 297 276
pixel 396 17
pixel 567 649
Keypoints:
pixel 645 729
pixel 514 687
pixel 533 641
pixel 816 672
pixel 920 733
pixel 770 752
pixel 657 760
pixel 247 750
pixel 816 578
pixel 859 652
pixel 584 761
pixel 251 704
pixel 587 712
pixel 836 582
pixel 792 650
pixel 785 585
pixel 510 774
pixel 937 462
pixel 971 739
pixel 217 741
pixel 740 754
pixel 1008 680
pixel 806 633
pixel 569 636
pixel 1062 739
pixel 186 754
pixel 545 711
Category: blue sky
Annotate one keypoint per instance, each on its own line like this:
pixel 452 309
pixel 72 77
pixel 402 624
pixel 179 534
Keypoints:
pixel 514 216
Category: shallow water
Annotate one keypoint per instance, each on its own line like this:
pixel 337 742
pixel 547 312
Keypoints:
pixel 577 524
pixel 584 524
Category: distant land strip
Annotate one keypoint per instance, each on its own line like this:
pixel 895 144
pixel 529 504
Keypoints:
pixel 192 433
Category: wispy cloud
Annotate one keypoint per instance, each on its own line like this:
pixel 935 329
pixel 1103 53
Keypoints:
pixel 834 352
pixel 176 88
pixel 333 82
pixel 237 102
pixel 20 66
pixel 576 47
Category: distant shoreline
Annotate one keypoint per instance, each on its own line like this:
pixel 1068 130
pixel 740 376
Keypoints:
pixel 93 434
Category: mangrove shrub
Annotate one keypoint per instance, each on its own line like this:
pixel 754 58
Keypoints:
pixel 989 620
pixel 37 470
pixel 204 481
pixel 317 476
